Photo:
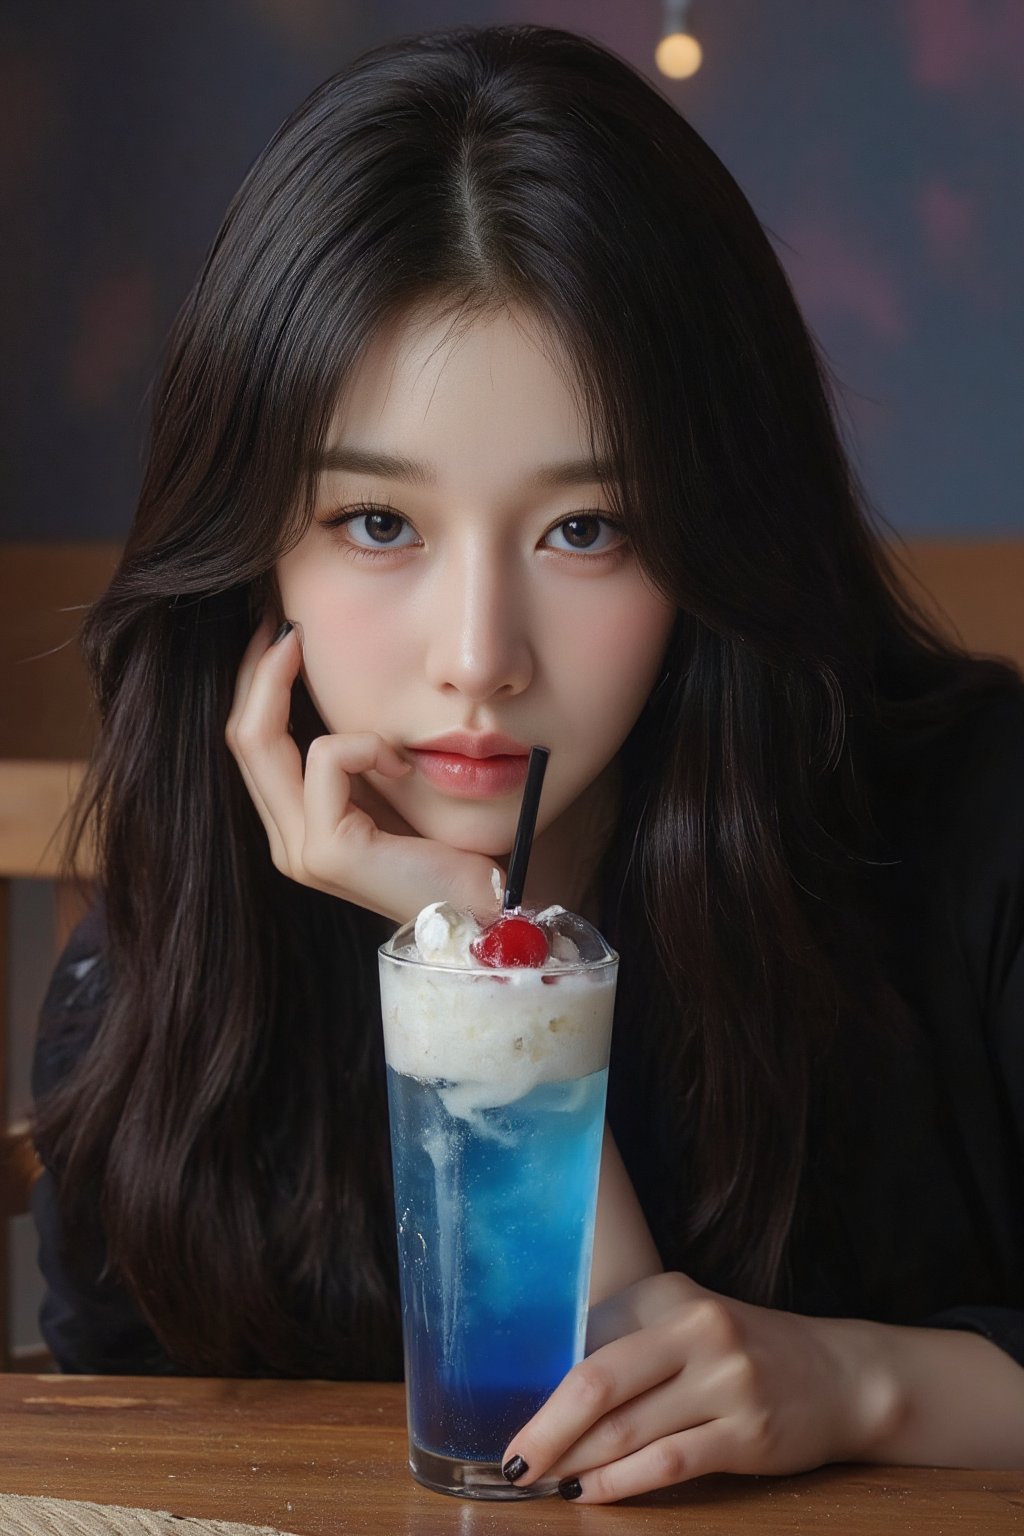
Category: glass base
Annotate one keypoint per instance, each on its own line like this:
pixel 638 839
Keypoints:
pixel 471 1479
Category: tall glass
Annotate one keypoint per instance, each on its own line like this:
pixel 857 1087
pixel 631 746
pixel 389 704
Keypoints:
pixel 496 1089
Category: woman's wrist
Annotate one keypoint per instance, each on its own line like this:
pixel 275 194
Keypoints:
pixel 872 1395
pixel 919 1396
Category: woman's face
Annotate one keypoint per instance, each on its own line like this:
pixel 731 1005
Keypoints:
pixel 462 575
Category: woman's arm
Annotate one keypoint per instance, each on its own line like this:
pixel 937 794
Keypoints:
pixel 624 1250
pixel 88 1320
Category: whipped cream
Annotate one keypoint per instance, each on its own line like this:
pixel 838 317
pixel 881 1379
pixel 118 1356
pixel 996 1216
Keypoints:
pixel 444 934
pixel 491 1036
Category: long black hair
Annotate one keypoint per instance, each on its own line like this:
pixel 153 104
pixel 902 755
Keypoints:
pixel 230 1114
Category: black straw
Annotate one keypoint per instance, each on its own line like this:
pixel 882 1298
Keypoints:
pixel 524 830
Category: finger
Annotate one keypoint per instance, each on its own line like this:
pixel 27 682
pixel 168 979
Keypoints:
pixel 409 873
pixel 345 849
pixel 641 1305
pixel 675 1459
pixel 260 740
pixel 277 848
pixel 259 641
pixel 381 812
pixel 342 812
pixel 599 1385
pixel 674 1404
pixel 257 645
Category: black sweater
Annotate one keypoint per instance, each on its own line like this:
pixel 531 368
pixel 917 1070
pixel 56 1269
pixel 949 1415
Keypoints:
pixel 920 1219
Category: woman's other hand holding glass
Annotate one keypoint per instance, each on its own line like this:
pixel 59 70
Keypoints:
pixel 681 1381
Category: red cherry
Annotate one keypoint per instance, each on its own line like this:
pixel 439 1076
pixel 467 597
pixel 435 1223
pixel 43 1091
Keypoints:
pixel 511 941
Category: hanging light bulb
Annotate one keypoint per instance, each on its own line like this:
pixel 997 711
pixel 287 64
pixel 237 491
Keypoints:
pixel 679 54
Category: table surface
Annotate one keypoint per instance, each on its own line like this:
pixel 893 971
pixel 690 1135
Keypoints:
pixel 320 1458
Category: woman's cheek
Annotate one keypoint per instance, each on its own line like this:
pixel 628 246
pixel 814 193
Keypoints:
pixel 353 649
pixel 617 656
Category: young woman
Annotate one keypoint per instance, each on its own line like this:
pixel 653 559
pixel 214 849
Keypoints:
pixel 491 420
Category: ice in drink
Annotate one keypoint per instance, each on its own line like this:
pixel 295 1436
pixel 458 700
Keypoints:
pixel 496 1083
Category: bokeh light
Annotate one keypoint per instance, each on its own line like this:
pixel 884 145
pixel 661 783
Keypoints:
pixel 678 55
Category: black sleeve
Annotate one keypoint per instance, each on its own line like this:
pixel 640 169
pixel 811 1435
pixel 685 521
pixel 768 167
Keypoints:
pixel 988 896
pixel 89 1323
pixel 1003 1325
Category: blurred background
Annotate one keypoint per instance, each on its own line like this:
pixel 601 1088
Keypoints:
pixel 879 141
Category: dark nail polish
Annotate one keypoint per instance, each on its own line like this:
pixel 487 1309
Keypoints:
pixel 570 1488
pixel 286 629
pixel 513 1468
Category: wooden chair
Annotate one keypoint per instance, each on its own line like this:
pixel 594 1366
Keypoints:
pixel 975 587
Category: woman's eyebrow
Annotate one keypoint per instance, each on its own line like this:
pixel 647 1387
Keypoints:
pixel 391 466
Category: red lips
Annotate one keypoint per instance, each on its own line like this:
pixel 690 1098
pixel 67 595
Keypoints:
pixel 473 744
pixel 472 766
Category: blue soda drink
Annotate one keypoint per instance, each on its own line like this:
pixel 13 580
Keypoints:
pixel 496 1088
pixel 507 1206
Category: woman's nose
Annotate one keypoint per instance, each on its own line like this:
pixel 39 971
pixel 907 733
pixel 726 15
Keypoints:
pixel 477 643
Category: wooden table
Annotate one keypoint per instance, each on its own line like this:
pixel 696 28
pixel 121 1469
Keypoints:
pixel 324 1458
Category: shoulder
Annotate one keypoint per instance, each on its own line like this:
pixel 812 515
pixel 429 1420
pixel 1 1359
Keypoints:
pixel 958 797
pixel 954 818
pixel 74 1003
pixel 985 748
pixel 977 819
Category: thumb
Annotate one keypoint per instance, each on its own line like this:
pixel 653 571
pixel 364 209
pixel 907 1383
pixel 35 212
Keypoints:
pixel 420 871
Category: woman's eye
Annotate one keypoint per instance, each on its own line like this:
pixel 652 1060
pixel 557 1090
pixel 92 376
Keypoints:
pixel 377 528
pixel 585 532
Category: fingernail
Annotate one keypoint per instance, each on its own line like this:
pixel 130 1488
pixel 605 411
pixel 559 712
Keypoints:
pixel 570 1488
pixel 513 1468
pixel 286 629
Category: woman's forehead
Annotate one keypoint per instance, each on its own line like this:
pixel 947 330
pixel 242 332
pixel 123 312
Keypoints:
pixel 465 382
